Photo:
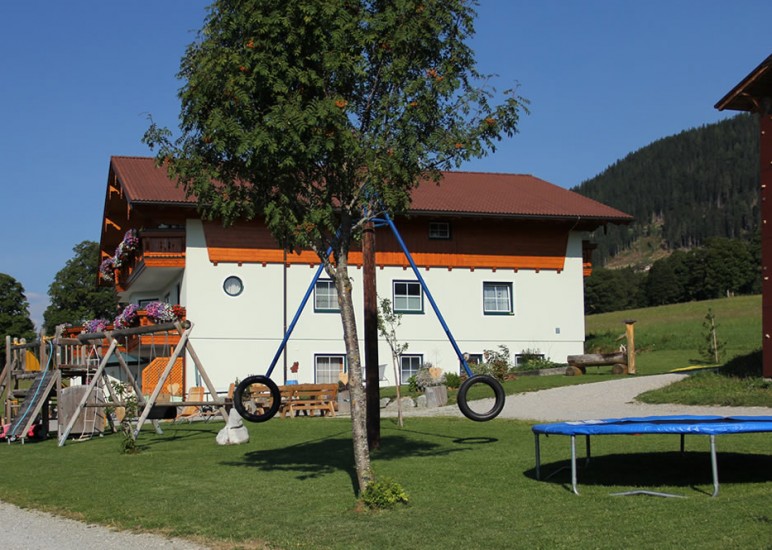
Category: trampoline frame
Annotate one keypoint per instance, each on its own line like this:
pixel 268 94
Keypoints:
pixel 681 425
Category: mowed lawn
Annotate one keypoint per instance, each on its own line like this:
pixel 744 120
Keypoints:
pixel 471 485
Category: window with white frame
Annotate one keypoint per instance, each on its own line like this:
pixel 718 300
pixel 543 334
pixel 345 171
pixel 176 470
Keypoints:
pixel 439 230
pixel 325 296
pixel 497 298
pixel 408 297
pixel 328 368
pixel 409 366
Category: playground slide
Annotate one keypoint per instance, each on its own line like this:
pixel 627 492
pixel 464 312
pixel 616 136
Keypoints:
pixel 30 408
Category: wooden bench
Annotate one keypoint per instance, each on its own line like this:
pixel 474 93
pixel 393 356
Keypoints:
pixel 309 397
pixel 577 364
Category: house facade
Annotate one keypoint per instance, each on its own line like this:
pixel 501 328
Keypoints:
pixel 503 255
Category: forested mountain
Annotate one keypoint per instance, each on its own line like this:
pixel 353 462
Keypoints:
pixel 683 189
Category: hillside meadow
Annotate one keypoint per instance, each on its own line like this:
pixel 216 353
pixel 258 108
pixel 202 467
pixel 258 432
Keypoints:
pixel 671 337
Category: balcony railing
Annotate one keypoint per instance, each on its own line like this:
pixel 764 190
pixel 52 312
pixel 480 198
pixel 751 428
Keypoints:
pixel 159 248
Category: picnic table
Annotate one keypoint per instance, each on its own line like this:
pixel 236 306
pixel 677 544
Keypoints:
pixel 307 398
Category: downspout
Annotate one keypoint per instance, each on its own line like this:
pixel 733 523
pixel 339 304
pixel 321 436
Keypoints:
pixel 284 308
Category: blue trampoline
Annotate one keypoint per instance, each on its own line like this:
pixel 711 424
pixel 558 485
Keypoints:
pixel 682 425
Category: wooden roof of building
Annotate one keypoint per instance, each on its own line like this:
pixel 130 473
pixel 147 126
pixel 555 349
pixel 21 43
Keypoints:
pixel 458 193
pixel 747 94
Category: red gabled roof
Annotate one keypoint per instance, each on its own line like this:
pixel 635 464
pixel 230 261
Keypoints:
pixel 458 193
pixel 508 195
pixel 143 181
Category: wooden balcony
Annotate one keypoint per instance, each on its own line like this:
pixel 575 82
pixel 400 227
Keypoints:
pixel 159 258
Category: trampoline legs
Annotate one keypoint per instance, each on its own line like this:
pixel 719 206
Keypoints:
pixel 573 465
pixel 714 464
pixel 538 457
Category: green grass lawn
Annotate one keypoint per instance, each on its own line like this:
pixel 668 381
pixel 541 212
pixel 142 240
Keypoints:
pixel 471 485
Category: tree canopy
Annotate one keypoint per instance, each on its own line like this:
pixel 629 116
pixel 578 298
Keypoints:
pixel 723 267
pixel 74 294
pixel 14 311
pixel 316 115
pixel 307 112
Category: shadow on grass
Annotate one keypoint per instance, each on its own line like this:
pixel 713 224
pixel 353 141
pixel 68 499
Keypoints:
pixel 173 433
pixel 320 457
pixel 743 366
pixel 659 469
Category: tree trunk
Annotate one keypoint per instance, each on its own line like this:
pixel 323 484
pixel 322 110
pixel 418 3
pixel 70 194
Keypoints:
pixel 358 399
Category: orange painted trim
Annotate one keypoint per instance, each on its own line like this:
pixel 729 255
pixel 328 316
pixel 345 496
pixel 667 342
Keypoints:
pixel 500 246
pixel 394 259
pixel 164 261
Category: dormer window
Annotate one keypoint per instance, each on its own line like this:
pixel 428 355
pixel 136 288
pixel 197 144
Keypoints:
pixel 439 230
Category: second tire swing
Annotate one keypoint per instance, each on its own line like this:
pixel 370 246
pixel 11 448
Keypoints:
pixel 498 403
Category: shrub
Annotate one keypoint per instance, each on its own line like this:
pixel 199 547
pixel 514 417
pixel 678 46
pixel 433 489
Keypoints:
pixel 384 494
pixel 497 363
pixel 535 363
pixel 452 380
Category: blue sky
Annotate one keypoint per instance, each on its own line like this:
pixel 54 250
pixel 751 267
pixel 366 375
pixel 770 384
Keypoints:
pixel 604 78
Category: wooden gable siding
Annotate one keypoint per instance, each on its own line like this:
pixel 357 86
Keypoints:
pixel 492 244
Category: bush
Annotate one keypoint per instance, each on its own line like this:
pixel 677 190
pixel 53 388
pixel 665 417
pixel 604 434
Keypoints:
pixel 452 380
pixel 535 363
pixel 497 363
pixel 384 494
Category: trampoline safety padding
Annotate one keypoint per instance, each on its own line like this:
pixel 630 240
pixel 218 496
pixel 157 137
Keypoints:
pixel 682 425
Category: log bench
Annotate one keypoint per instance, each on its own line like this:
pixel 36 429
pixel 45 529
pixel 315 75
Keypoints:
pixel 308 397
pixel 577 364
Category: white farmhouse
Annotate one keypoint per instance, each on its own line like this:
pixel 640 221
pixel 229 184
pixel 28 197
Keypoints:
pixel 503 255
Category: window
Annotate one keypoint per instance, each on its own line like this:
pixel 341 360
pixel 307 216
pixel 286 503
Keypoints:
pixel 326 296
pixel 408 366
pixel 439 230
pixel 233 286
pixel 408 297
pixel 497 298
pixel 328 368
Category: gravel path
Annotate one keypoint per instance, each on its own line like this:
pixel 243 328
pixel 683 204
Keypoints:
pixel 611 399
pixel 32 530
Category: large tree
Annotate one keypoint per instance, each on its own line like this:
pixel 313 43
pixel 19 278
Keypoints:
pixel 319 114
pixel 14 313
pixel 74 294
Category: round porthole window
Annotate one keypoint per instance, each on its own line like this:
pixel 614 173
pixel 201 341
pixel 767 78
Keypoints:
pixel 233 286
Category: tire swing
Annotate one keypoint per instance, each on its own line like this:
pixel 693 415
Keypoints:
pixel 498 403
pixel 247 407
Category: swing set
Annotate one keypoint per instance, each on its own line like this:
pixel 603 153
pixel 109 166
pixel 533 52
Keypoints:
pixel 152 408
pixel 261 390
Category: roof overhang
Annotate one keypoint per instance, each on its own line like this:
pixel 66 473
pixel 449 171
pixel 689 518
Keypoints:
pixel 753 94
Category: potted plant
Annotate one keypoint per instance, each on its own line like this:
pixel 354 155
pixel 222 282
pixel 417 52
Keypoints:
pixel 431 380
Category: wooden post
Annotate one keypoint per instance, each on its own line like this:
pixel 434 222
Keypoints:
pixel 630 334
pixel 372 374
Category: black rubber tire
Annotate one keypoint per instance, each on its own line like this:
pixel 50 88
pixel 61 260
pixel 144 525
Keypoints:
pixel 498 391
pixel 238 398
